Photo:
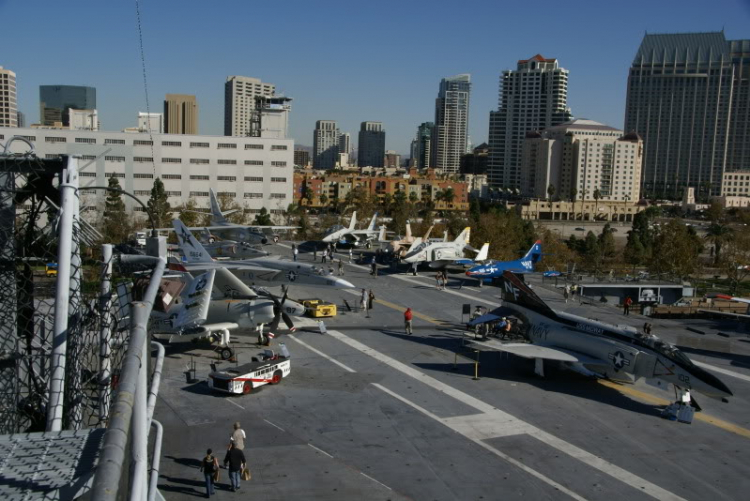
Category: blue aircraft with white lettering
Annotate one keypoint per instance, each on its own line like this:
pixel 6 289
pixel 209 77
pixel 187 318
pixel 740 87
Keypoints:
pixel 495 269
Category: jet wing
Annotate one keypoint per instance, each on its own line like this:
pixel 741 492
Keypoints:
pixel 216 265
pixel 528 350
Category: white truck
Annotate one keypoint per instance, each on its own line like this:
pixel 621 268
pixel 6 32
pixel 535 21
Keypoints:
pixel 269 368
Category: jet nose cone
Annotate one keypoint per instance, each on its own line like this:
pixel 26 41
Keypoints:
pixel 343 284
pixel 709 384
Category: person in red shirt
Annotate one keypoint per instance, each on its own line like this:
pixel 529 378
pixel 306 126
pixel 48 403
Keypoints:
pixel 407 321
pixel 626 305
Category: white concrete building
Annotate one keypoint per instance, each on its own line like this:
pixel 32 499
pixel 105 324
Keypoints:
pixel 581 157
pixel 255 172
pixel 150 122
pixel 239 103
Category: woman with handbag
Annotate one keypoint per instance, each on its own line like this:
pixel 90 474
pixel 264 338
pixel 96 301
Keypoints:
pixel 210 469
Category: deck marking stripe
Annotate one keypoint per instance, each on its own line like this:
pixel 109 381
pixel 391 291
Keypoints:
pixel 721 370
pixel 320 450
pixel 374 480
pixel 234 403
pixel 275 426
pixel 484 445
pixel 318 352
pixel 586 457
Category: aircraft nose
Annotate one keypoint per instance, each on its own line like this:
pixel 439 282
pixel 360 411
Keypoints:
pixel 343 284
pixel 264 240
pixel 716 385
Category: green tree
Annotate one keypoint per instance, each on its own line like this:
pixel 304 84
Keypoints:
pixel 592 251
pixel 717 234
pixel 475 210
pixel 413 197
pixel 607 242
pixel 387 202
pixel 263 218
pixel 573 195
pixel 675 251
pixel 323 200
pixel 735 259
pixel 116 226
pixel 189 213
pixel 634 253
pixel 228 203
pixel 158 205
pixel 550 192
pixel 449 195
pixel 715 212
pixel 597 196
pixel 304 226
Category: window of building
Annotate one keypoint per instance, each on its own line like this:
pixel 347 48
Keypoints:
pixel 198 193
pixel 199 145
pixel 29 138
pixel 171 176
pixel 142 193
pixel 114 159
pixel 52 155
pixel 114 141
pixel 278 195
pixel 171 143
pixel 199 161
pixel 226 178
pixel 254 179
pixel 227 162
pixel 87 174
pixel 278 147
pixel 141 142
pixel 171 160
pixel 86 157
pixel 143 159
pixel 55 140
pixel 199 178
pixel 143 176
pixel 86 140
pixel 227 194
pixel 253 146
pixel 253 195
pixel 226 146
pixel 278 180
pixel 278 164
pixel 114 174
pixel 174 193
pixel 253 162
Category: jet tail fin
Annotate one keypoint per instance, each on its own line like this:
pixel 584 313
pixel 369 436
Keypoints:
pixel 408 231
pixel 190 246
pixel 483 252
pixel 371 227
pixel 427 233
pixel 517 292
pixel 216 215
pixel 353 222
pixel 464 235
pixel 535 253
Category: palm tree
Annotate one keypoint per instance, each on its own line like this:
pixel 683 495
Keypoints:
pixel 550 193
pixel 413 197
pixel 573 194
pixel 449 195
pixel 324 200
pixel 717 234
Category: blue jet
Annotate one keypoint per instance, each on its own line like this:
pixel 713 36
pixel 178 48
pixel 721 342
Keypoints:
pixel 495 269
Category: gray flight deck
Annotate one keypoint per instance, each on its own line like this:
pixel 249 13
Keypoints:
pixel 369 413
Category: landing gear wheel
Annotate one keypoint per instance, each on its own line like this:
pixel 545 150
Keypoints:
pixel 226 353
pixel 247 387
pixel 276 379
pixel 368 245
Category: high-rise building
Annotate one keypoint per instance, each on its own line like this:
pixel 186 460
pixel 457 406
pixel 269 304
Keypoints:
pixel 239 103
pixel 8 104
pixel 451 123
pixel 421 146
pixel 345 143
pixel 83 119
pixel 532 97
pixel 301 158
pixel 21 120
pixel 56 100
pixel 688 98
pixel 180 114
pixel 582 160
pixel 371 147
pixel 392 160
pixel 325 144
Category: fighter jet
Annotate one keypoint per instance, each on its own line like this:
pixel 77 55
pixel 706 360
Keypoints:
pixel 591 347
pixel 223 249
pixel 402 245
pixel 194 312
pixel 264 271
pixel 443 253
pixel 223 229
pixel 495 269
pixel 350 235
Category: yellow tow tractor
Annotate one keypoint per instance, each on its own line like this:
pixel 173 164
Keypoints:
pixel 50 269
pixel 317 308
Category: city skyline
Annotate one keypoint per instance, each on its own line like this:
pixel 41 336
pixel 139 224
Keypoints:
pixel 391 82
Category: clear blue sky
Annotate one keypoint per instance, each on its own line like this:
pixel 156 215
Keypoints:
pixel 348 61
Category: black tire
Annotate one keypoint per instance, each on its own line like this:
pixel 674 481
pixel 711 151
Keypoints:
pixel 277 376
pixel 226 353
pixel 247 388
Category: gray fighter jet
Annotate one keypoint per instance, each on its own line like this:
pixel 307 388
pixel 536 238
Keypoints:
pixel 443 253
pixel 591 347
pixel 264 271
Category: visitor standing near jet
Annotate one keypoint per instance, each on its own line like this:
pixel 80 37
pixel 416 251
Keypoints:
pixel 566 293
pixel 407 321
pixel 350 255
pixel 363 300
pixel 295 251
pixel 341 267
pixel 370 299
pixel 374 267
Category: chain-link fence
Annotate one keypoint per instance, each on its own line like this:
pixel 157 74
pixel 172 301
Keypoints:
pixel 82 366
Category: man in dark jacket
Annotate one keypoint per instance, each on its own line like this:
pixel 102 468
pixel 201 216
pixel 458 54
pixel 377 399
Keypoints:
pixel 235 458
